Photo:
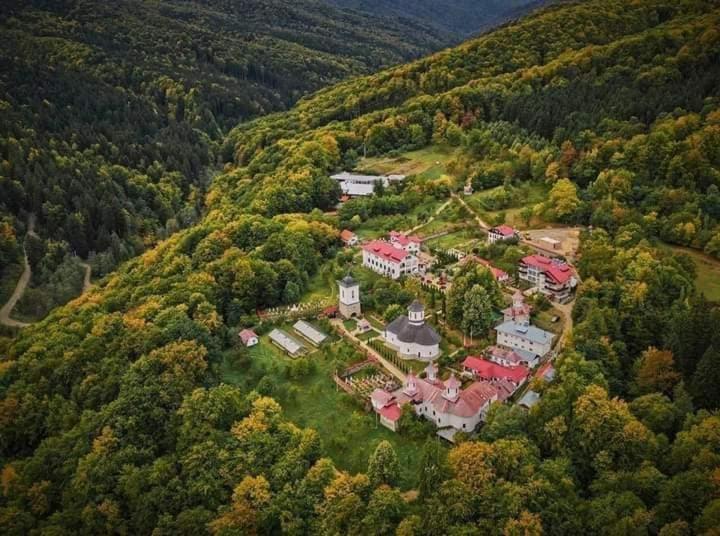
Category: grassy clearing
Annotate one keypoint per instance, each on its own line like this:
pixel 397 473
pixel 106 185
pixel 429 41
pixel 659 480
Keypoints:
pixel 708 271
pixel 348 433
pixel 431 161
pixel 461 239
pixel 524 195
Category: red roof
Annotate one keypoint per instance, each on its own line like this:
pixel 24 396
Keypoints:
pixel 452 382
pixel 391 412
pixel 383 398
pixel 246 335
pixel 347 235
pixel 344 198
pixel 557 270
pixel 504 230
pixel 386 251
pixel 488 369
pixel 330 311
pixel 497 273
pixel 542 371
pixel 403 239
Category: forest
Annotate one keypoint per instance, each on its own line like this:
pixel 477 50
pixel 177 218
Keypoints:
pixel 112 113
pixel 113 418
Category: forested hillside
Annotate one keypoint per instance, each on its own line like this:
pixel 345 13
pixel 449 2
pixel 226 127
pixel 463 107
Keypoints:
pixel 456 17
pixel 113 417
pixel 111 111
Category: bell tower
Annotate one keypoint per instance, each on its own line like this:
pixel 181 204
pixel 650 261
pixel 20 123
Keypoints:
pixel 349 305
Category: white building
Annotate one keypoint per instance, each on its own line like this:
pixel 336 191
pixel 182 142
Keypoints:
pixel 446 404
pixel 349 238
pixel 552 277
pixel 502 232
pixel 349 299
pixel 410 244
pixel 411 336
pixel 357 185
pixel 521 336
pixel 248 337
pixel 388 260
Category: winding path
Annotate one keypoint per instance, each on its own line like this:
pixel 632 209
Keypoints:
pixel 482 223
pixel 20 287
pixel 86 279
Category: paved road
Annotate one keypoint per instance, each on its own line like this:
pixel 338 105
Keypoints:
pixel 400 375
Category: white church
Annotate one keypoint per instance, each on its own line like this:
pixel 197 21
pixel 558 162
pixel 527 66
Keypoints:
pixel 411 336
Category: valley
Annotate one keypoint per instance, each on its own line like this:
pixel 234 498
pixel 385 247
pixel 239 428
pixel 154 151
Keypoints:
pixel 383 292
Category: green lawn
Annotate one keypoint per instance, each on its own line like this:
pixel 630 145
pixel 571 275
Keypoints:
pixel 525 194
pixel 708 271
pixel 348 433
pixel 431 161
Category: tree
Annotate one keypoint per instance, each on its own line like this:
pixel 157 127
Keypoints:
pixel 477 312
pixel 384 511
pixel 383 465
pixel 563 200
pixel 527 524
pixel 656 372
pixel 706 380
pixel 433 468
pixel 243 515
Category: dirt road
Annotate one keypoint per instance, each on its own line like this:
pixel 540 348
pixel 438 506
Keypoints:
pixel 19 288
pixel 482 223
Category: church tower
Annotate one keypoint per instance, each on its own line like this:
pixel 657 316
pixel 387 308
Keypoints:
pixel 349 305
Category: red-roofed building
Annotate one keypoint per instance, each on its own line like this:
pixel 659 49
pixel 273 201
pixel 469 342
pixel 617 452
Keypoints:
pixel 502 232
pixel 519 311
pixel 500 275
pixel 386 259
pixel 348 237
pixel 386 406
pixel 482 369
pixel 552 277
pixel 411 243
pixel 248 337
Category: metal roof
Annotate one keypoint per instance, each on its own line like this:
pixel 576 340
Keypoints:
pixel 309 331
pixel 285 341
pixel 530 333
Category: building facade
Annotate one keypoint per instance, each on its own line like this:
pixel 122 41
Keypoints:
pixel 411 336
pixel 552 277
pixel 388 260
pixel 524 337
pixel 502 232
pixel 349 298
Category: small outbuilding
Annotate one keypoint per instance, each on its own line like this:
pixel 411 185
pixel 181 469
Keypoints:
pixel 309 332
pixel 248 337
pixel 286 343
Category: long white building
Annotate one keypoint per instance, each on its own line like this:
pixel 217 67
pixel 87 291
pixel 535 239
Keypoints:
pixel 386 259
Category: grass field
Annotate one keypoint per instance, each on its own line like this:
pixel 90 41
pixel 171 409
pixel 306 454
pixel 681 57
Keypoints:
pixel 708 271
pixel 348 433
pixel 430 161
pixel 526 194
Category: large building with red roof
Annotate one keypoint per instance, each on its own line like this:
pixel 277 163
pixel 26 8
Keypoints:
pixel 445 403
pixel 483 369
pixel 389 259
pixel 554 278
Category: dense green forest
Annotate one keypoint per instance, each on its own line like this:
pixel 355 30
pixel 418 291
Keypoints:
pixel 112 111
pixel 455 17
pixel 113 418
